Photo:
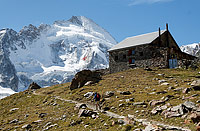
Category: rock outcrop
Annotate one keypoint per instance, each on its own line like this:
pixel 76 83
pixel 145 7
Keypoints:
pixel 34 85
pixel 87 113
pixel 82 77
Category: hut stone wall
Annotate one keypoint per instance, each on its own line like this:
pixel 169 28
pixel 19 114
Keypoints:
pixel 138 56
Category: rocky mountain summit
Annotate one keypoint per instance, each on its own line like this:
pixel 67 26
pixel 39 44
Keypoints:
pixel 52 54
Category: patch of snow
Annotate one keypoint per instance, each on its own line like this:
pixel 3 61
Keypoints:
pixel 4 92
pixel 3 31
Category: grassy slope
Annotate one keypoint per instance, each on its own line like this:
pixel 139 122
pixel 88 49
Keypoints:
pixel 135 81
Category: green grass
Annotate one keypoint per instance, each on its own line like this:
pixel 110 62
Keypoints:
pixel 134 80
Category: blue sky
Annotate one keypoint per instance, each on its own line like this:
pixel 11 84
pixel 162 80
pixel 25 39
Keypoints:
pixel 121 18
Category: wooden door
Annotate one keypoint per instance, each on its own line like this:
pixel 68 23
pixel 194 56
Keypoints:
pixel 173 63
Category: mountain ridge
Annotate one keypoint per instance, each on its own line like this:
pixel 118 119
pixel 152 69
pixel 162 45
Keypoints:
pixel 52 54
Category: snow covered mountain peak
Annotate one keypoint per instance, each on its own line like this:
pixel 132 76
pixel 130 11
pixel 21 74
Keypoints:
pixel 76 20
pixel 192 49
pixel 52 54
pixel 82 24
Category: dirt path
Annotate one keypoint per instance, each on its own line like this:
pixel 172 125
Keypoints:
pixel 93 107
pixel 145 122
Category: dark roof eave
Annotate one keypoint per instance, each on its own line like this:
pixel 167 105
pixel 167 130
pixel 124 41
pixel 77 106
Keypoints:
pixel 189 55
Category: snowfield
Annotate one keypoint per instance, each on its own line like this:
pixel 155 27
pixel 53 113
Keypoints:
pixel 4 92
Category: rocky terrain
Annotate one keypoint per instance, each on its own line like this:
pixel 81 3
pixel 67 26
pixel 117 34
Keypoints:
pixel 136 99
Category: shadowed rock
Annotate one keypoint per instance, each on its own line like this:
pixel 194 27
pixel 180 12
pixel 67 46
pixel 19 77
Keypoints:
pixel 82 77
pixel 34 85
pixel 87 113
pixel 42 115
pixel 180 110
pixel 125 92
pixel 194 88
pixel 27 126
pixel 195 117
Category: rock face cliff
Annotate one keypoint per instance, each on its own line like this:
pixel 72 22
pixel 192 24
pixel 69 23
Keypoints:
pixel 52 54
pixel 8 77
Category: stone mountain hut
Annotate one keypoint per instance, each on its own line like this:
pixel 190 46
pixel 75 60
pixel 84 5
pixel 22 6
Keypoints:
pixel 156 49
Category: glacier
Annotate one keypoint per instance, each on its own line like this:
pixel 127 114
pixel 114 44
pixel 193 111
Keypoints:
pixel 52 54
pixel 192 49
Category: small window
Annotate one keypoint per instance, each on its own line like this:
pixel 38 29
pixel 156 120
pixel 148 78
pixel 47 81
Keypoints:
pixel 131 61
pixel 129 52
pixel 141 53
pixel 133 52
pixel 116 58
pixel 124 56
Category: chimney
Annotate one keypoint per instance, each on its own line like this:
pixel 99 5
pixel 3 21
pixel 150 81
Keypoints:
pixel 159 42
pixel 167 27
pixel 167 34
pixel 159 32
